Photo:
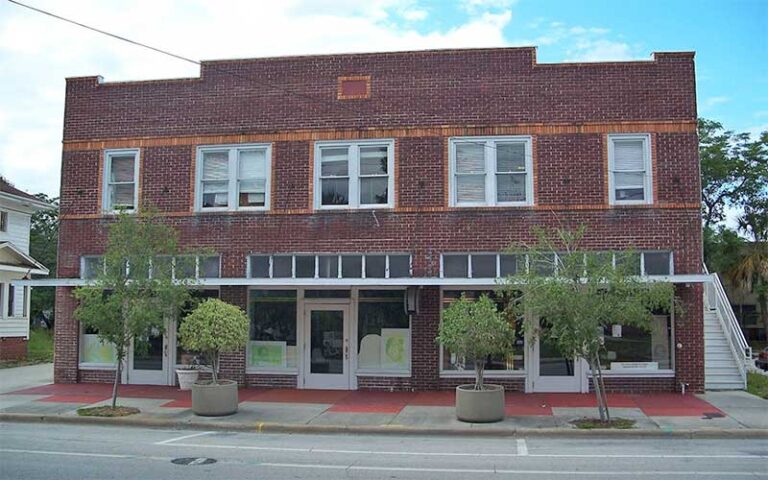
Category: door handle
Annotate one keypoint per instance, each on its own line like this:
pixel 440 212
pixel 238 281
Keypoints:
pixel 346 352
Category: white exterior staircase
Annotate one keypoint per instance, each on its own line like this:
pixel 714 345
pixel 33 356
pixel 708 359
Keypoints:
pixel 726 351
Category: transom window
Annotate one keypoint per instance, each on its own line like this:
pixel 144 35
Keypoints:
pixel 629 163
pixel 354 174
pixel 330 266
pixel 178 267
pixel 233 177
pixel 491 171
pixel 492 265
pixel 121 169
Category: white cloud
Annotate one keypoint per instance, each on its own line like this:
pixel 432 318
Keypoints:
pixel 37 52
pixel 710 102
pixel 756 130
pixel 599 51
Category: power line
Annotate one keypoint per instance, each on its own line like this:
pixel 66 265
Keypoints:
pixel 211 66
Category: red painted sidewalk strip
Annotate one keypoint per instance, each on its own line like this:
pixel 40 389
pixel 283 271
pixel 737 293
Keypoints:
pixel 88 399
pixel 516 403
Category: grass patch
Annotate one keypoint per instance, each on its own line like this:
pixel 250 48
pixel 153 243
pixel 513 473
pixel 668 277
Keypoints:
pixel 757 384
pixel 595 423
pixel 39 349
pixel 107 411
pixel 40 345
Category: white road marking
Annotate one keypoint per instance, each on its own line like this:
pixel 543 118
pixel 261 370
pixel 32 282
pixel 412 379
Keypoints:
pixel 71 454
pixel 507 471
pixel 351 452
pixel 522 451
pixel 522 447
pixel 171 440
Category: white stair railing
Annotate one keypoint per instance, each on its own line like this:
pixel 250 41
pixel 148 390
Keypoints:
pixel 715 299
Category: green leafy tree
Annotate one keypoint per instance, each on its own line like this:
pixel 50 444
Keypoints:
pixel 750 271
pixel 579 293
pixel 734 169
pixel 213 328
pixel 43 243
pixel 125 303
pixel 475 330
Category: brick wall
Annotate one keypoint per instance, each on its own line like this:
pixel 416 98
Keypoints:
pixel 452 87
pixel 13 348
pixel 66 338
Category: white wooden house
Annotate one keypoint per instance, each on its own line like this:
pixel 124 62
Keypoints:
pixel 16 209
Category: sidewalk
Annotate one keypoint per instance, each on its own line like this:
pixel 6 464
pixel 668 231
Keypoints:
pixel 732 413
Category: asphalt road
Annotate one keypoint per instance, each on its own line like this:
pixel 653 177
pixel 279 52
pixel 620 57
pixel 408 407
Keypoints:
pixel 31 451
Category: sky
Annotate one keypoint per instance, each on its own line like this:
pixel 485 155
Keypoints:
pixel 37 52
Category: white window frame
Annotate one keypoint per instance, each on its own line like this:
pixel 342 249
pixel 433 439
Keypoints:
pixel 108 154
pixel 338 256
pixel 647 178
pixel 233 203
pixel 3 221
pixel 490 170
pixel 354 173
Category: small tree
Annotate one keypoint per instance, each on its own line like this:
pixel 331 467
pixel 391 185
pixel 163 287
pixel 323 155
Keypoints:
pixel 131 296
pixel 213 328
pixel 475 330
pixel 579 293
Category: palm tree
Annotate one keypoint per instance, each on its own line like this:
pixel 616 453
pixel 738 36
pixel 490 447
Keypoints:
pixel 751 271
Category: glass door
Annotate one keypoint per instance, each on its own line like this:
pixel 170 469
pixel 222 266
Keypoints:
pixel 553 372
pixel 326 353
pixel 149 364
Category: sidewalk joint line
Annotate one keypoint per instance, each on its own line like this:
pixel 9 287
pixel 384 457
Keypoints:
pixel 183 437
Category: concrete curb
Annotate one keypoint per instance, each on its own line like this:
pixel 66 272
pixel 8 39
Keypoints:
pixel 217 425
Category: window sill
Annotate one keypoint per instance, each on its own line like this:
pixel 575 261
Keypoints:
pixel 637 374
pixel 487 374
pixel 382 373
pixel 96 366
pixel 274 371
pixel 345 208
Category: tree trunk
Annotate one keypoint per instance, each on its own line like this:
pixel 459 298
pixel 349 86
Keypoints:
pixel 596 385
pixel 479 370
pixel 762 300
pixel 118 374
pixel 215 368
pixel 602 389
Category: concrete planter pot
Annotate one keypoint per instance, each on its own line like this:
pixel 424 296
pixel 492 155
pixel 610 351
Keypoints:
pixel 187 377
pixel 480 406
pixel 214 400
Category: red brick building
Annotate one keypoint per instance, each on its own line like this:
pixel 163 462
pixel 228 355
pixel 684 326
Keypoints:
pixel 335 190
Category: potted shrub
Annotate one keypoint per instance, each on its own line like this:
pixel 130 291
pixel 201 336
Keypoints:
pixel 214 327
pixel 188 372
pixel 474 330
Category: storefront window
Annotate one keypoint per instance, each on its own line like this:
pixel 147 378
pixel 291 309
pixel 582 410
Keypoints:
pixel 93 351
pixel 272 344
pixel 629 349
pixel 513 361
pixel 383 332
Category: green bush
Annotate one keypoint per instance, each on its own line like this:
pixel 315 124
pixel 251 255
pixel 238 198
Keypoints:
pixel 214 327
pixel 475 330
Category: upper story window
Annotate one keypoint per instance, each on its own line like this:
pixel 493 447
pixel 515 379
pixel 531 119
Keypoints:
pixel 354 174
pixel 491 171
pixel 629 164
pixel 121 186
pixel 233 178
pixel 3 221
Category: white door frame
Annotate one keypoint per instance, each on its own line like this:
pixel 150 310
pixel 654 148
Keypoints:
pixel 343 381
pixel 154 377
pixel 536 383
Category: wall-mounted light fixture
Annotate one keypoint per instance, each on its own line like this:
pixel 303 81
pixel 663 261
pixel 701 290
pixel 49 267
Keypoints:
pixel 412 300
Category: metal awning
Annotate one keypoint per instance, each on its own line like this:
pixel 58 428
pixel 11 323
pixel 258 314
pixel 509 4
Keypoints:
pixel 349 282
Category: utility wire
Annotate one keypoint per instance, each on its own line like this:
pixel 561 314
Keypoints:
pixel 210 65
